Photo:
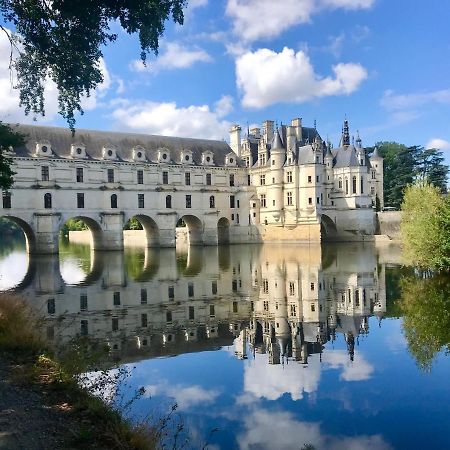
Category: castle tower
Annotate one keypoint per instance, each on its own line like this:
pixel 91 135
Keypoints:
pixel 235 139
pixel 275 179
pixel 376 161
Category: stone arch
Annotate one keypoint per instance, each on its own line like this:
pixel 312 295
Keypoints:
pixel 96 237
pixel 150 228
pixel 195 229
pixel 223 231
pixel 328 229
pixel 27 230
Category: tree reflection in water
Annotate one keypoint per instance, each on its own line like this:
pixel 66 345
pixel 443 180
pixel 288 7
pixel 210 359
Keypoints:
pixel 425 304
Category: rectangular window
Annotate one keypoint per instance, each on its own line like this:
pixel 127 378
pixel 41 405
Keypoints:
pixel 83 302
pixel 309 179
pixel 191 313
pixel 265 284
pixel 115 324
pixel 313 307
pixel 231 179
pixel 191 289
pixel 168 316
pixel 362 185
pixel 317 178
pixel 238 203
pixel 80 175
pixel 6 200
pixel 235 307
pixel 372 190
pixel 187 178
pixel 51 306
pixel 291 288
pixel 212 311
pixel 140 200
pixel 171 292
pixel 116 298
pixel 232 201
pixel 318 200
pixel 234 285
pixel 289 177
pixel 312 286
pixel 110 175
pixel 214 287
pixel 263 200
pixel 262 180
pixel 165 177
pixel 140 177
pixel 289 198
pixel 80 200
pixel 249 180
pixel 309 200
pixel 188 201
pixel 266 305
pixel 208 179
pixel 144 320
pixel 84 328
pixel 143 296
pixel 45 173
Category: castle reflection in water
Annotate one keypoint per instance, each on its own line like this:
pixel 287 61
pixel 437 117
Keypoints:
pixel 282 302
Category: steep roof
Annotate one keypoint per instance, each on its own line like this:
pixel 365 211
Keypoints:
pixel 345 156
pixel 61 140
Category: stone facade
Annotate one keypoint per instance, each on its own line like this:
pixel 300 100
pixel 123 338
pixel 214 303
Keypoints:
pixel 275 185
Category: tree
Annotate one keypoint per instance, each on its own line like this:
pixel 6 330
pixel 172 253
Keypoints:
pixel 62 40
pixel 431 168
pixel 425 227
pixel 426 323
pixel 8 138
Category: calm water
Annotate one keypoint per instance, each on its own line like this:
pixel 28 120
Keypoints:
pixel 261 347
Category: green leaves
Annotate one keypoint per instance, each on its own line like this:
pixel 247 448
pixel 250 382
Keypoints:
pixel 8 138
pixel 62 39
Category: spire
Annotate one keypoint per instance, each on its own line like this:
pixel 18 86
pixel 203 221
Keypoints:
pixel 358 140
pixel 345 134
pixel 277 142
pixel 375 154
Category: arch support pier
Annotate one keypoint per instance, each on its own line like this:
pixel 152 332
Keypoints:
pixel 46 231
pixel 112 232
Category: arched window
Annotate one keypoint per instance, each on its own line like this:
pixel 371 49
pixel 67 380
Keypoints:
pixel 47 200
pixel 354 185
pixel 168 201
pixel 113 201
pixel 212 202
pixel 346 185
pixel 340 183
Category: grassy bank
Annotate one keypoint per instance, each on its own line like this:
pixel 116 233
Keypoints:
pixel 33 364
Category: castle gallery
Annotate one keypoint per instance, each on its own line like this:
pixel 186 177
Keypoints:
pixel 274 184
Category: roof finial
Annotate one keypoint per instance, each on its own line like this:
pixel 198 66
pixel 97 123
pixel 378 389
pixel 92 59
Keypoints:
pixel 345 133
pixel 315 124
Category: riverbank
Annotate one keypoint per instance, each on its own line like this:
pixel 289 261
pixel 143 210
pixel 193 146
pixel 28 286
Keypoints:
pixel 42 406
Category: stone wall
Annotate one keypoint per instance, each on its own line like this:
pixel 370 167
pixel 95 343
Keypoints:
pixel 388 224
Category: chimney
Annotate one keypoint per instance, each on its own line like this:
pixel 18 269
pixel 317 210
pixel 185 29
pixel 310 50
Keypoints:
pixel 297 124
pixel 268 129
pixel 235 139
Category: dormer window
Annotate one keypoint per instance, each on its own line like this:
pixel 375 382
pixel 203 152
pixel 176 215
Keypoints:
pixel 186 157
pixel 208 158
pixel 139 153
pixel 78 151
pixel 230 159
pixel 109 153
pixel 163 155
pixel 43 148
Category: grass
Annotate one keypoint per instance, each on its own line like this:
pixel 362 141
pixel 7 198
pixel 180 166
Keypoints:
pixel 99 424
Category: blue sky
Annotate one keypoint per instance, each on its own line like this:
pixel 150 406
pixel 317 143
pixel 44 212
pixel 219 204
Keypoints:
pixel 385 64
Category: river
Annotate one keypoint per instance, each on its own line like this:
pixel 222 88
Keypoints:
pixel 260 347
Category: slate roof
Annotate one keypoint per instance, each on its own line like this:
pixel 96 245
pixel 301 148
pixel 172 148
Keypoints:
pixel 345 156
pixel 61 140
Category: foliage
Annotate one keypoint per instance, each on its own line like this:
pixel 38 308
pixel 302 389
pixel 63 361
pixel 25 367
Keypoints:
pixel 9 227
pixel 404 165
pixel 425 303
pixel 73 225
pixel 8 138
pixel 425 227
pixel 133 224
pixel 62 40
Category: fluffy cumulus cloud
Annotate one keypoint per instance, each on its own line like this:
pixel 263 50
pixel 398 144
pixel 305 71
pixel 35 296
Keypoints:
pixel 173 56
pixel 266 77
pixel 264 19
pixel 438 143
pixel 168 119
pixel 264 429
pixel 357 370
pixel 185 396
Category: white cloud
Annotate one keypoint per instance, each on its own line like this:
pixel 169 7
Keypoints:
pixel 184 396
pixel 393 101
pixel 438 143
pixel 169 119
pixel 192 4
pixel 173 56
pixel 266 77
pixel 357 370
pixel 279 429
pixel 264 19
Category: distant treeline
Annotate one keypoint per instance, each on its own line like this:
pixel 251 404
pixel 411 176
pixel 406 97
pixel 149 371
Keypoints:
pixel 403 166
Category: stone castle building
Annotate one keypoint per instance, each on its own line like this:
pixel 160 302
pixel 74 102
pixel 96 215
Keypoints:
pixel 275 185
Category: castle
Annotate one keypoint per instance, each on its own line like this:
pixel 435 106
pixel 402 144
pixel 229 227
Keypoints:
pixel 283 185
